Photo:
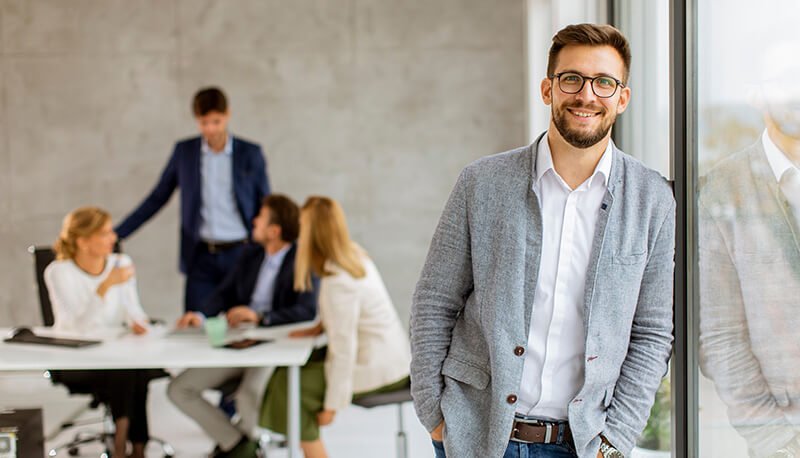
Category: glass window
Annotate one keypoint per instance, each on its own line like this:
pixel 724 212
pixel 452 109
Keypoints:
pixel 747 118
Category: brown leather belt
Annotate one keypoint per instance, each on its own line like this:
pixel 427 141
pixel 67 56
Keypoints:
pixel 541 432
pixel 216 247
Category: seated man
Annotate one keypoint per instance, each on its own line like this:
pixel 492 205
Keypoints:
pixel 259 289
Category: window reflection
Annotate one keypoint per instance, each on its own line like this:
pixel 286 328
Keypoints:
pixel 749 228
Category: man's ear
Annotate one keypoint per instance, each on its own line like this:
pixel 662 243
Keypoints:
pixel 624 99
pixel 546 89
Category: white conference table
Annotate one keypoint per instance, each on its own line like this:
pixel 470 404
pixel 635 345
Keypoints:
pixel 161 349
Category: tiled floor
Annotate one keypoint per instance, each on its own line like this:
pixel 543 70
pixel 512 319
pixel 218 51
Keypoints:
pixel 356 433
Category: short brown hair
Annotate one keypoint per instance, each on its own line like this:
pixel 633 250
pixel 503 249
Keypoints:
pixel 285 213
pixel 81 222
pixel 209 99
pixel 590 35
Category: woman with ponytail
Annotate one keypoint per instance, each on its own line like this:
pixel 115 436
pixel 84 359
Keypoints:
pixel 92 288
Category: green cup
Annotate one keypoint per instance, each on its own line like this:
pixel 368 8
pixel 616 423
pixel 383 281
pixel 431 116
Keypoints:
pixel 215 330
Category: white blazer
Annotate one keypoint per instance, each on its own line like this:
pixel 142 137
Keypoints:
pixel 367 345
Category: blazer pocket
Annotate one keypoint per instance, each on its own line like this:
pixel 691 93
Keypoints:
pixel 609 396
pixel 629 259
pixel 465 373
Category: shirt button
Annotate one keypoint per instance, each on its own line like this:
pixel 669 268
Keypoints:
pixel 519 351
pixel 511 399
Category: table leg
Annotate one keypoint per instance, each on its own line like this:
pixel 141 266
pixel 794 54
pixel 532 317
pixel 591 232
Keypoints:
pixel 294 412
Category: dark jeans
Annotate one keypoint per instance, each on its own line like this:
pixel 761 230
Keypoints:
pixel 522 450
pixel 206 273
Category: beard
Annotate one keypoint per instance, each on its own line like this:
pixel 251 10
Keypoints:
pixel 577 138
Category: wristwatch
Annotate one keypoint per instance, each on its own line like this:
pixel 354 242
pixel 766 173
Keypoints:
pixel 608 451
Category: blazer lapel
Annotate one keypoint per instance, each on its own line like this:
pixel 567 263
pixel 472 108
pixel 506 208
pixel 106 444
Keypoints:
pixel 238 170
pixel 773 203
pixel 598 242
pixel 195 172
pixel 533 234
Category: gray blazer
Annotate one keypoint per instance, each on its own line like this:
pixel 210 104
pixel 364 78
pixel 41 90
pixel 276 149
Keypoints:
pixel 749 290
pixel 472 306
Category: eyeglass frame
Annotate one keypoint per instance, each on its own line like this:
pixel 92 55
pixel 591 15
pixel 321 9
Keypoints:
pixel 591 79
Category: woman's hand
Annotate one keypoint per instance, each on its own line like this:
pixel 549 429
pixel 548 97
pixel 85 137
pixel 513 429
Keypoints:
pixel 325 417
pixel 138 329
pixel 115 277
pixel 120 275
pixel 308 332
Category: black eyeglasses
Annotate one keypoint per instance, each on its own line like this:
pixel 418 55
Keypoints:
pixel 602 86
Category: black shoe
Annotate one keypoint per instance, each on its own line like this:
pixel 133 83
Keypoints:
pixel 245 448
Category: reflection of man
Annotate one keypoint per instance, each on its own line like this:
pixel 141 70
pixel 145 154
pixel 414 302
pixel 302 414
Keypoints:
pixel 222 180
pixel 750 273
pixel 259 289
pixel 542 321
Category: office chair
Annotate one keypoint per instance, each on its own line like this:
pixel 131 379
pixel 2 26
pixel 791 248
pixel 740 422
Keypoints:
pixel 42 257
pixel 398 398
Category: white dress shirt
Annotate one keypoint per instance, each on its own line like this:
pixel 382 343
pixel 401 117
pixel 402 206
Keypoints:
pixel 554 359
pixel 76 305
pixel 220 220
pixel 786 174
pixel 261 299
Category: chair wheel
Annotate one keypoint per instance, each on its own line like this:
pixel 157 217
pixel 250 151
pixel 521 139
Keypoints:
pixel 73 451
pixel 168 456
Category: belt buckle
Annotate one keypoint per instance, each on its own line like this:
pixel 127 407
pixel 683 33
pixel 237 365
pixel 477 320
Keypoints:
pixel 212 247
pixel 548 432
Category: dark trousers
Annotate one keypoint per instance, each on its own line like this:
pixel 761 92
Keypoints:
pixel 124 391
pixel 206 273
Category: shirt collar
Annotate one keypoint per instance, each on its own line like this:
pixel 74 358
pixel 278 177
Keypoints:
pixel 227 150
pixel 544 161
pixel 277 258
pixel 778 161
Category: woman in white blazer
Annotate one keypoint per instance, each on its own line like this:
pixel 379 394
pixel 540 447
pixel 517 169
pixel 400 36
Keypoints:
pixel 92 288
pixel 368 349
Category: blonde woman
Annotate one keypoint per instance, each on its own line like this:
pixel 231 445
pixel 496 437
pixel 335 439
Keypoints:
pixel 92 288
pixel 367 352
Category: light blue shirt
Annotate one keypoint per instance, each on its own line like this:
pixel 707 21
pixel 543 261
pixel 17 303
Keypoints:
pixel 261 300
pixel 220 220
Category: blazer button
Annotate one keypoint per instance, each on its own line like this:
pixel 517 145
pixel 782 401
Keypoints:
pixel 511 399
pixel 519 351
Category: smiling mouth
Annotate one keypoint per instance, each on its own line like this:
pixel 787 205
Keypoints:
pixel 583 114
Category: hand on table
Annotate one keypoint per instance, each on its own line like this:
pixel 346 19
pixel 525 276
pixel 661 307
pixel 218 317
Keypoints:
pixel 308 332
pixel 190 320
pixel 241 314
pixel 138 328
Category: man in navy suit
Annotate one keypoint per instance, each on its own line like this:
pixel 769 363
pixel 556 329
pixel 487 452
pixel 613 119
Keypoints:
pixel 259 289
pixel 222 180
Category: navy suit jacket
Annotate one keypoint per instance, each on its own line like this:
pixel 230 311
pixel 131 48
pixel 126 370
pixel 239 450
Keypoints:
pixel 288 305
pixel 250 185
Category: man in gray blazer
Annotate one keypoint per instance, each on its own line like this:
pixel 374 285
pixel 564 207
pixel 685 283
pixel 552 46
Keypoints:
pixel 542 321
pixel 749 258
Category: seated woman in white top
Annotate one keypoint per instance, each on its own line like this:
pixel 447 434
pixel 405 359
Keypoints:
pixel 92 288
pixel 368 350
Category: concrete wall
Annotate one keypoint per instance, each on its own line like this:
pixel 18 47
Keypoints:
pixel 378 103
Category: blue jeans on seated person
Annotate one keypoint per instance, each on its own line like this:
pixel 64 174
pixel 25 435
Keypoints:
pixel 523 450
